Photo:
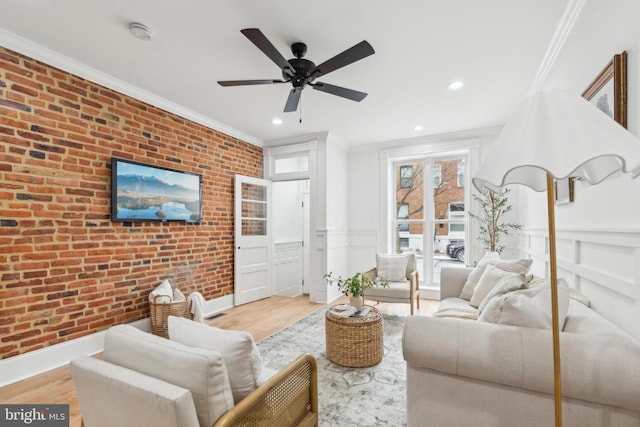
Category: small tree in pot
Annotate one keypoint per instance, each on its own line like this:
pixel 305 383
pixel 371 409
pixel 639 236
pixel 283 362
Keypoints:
pixel 492 208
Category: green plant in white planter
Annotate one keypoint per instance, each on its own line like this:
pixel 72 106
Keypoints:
pixel 354 287
pixel 492 208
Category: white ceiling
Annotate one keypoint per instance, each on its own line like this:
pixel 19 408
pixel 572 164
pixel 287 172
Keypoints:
pixel 496 47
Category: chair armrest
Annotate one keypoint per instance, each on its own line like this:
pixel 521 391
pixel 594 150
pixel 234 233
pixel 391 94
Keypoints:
pixel 111 395
pixel 291 395
pixel 452 280
pixel 371 274
pixel 413 278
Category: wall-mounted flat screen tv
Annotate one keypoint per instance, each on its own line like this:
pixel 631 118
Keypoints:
pixel 142 192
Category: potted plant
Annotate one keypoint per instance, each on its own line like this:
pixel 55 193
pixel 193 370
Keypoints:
pixel 354 287
pixel 492 208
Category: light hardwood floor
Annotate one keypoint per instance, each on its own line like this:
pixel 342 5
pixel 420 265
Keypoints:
pixel 261 318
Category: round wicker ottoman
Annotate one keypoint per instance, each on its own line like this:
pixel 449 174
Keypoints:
pixel 355 342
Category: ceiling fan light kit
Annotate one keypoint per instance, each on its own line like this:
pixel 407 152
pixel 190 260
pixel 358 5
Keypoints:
pixel 301 72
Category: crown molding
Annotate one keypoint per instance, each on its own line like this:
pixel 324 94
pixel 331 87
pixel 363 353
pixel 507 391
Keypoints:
pixel 33 50
pixel 564 28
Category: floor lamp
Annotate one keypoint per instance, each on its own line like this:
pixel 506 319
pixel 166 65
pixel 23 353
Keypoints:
pixel 556 135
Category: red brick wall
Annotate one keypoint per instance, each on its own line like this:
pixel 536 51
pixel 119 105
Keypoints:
pixel 66 270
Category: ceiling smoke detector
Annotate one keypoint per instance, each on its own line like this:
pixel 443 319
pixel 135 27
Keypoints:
pixel 140 31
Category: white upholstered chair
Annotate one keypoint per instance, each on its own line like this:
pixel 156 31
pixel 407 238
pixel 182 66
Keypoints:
pixel 147 380
pixel 399 271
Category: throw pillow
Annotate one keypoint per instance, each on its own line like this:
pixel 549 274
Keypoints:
pixel 238 349
pixel 392 267
pixel 508 283
pixel 476 273
pixel 492 310
pixel 520 266
pixel 491 276
pixel 529 308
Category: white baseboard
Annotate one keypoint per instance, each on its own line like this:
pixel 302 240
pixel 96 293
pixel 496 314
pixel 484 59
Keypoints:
pixel 36 362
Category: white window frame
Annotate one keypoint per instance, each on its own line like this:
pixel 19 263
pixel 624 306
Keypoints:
pixel 461 174
pixel 437 175
pixel 468 149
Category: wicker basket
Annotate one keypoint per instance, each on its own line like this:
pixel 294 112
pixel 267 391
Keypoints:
pixel 161 311
pixel 355 342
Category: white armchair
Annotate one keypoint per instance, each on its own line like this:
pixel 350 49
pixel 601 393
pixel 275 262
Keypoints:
pixel 147 380
pixel 399 271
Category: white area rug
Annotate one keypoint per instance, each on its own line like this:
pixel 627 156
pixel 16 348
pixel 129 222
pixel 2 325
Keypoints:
pixel 354 397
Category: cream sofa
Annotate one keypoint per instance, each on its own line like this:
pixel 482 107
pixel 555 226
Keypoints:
pixel 463 372
pixel 147 380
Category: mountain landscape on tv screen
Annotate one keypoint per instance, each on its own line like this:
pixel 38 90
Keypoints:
pixel 147 197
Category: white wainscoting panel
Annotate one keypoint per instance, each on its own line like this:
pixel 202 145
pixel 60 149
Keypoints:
pixel 602 264
pixel 287 268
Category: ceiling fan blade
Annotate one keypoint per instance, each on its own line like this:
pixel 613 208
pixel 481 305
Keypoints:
pixel 292 100
pixel 248 82
pixel 349 56
pixel 262 43
pixel 351 94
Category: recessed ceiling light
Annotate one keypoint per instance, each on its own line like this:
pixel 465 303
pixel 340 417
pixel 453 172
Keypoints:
pixel 277 121
pixel 140 31
pixel 418 128
pixel 456 85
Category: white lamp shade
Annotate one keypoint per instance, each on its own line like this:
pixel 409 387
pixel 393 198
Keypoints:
pixel 562 134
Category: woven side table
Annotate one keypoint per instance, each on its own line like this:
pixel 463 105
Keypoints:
pixel 355 342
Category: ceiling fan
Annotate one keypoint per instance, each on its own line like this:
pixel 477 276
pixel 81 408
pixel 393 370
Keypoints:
pixel 301 72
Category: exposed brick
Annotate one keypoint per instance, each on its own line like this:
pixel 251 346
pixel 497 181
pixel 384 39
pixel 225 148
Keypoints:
pixel 66 270
pixel 14 104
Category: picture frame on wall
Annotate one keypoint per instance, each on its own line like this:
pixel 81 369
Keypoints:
pixel 608 92
pixel 564 191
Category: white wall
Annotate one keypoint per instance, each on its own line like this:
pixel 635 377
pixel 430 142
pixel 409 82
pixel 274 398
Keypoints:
pixel 364 209
pixel 337 196
pixel 594 243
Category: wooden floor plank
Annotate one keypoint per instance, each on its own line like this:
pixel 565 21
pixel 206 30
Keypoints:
pixel 261 318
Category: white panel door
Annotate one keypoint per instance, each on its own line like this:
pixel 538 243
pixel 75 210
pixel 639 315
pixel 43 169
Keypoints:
pixel 252 239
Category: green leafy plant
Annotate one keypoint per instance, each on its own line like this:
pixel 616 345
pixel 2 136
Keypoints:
pixel 354 285
pixel 492 208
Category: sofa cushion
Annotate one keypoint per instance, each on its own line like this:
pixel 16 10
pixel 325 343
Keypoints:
pixel 201 371
pixel 391 267
pixel 400 290
pixel 238 349
pixel 583 320
pixel 529 308
pixel 456 307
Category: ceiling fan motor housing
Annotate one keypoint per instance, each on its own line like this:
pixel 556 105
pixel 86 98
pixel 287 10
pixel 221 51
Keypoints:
pixel 302 72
